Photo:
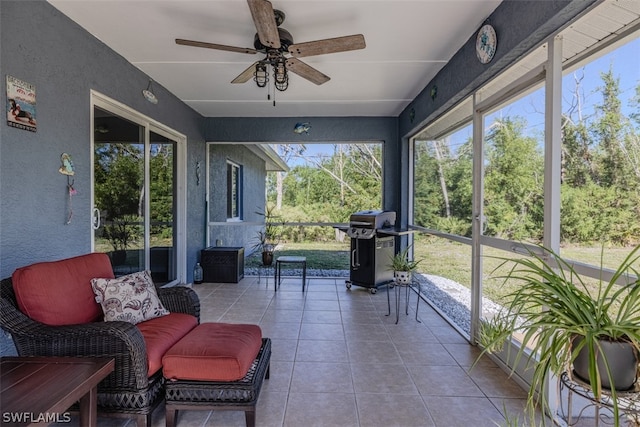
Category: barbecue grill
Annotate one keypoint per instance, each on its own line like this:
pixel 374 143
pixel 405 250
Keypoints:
pixel 371 249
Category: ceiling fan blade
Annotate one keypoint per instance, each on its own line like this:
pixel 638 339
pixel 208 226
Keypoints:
pixel 265 21
pixel 215 46
pixel 306 71
pixel 246 75
pixel 320 47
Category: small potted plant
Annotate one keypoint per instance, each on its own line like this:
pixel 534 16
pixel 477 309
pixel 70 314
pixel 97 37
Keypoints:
pixel 120 234
pixel 566 323
pixel 402 267
pixel 268 237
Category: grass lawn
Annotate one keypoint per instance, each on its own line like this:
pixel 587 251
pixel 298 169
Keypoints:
pixel 440 257
pixel 320 255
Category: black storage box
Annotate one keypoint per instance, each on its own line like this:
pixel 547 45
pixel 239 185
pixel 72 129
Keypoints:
pixel 222 264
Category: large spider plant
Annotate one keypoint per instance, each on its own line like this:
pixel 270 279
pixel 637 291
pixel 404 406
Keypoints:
pixel 554 307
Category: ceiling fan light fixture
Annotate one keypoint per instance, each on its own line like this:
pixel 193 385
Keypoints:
pixel 149 95
pixel 280 74
pixel 261 75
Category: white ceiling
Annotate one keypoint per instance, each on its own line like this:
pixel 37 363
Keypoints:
pixel 408 42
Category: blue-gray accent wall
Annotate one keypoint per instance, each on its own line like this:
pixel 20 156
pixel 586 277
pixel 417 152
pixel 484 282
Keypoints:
pixel 45 48
pixel 254 175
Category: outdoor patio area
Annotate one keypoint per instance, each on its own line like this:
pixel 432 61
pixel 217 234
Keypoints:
pixel 339 360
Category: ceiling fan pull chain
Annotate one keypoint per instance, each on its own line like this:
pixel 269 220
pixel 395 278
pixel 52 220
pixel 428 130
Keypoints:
pixel 274 92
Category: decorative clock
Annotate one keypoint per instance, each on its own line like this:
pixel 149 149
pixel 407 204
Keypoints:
pixel 486 43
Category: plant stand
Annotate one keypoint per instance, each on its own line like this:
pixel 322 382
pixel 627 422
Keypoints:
pixel 628 403
pixel 397 287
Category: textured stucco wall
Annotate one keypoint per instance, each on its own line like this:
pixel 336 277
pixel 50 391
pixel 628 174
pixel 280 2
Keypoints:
pixel 43 47
pixel 253 195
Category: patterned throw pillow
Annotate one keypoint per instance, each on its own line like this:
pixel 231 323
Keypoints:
pixel 131 298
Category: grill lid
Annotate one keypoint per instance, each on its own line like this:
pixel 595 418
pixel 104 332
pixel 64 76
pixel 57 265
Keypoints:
pixel 373 219
pixel 363 224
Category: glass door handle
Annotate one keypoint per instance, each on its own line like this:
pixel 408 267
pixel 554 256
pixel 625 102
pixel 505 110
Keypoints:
pixel 95 218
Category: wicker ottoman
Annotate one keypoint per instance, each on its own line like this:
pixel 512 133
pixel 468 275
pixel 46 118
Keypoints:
pixel 215 367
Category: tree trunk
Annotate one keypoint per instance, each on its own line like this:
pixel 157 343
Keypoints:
pixel 443 183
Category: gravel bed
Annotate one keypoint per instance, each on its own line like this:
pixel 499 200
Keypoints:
pixel 311 272
pixel 453 299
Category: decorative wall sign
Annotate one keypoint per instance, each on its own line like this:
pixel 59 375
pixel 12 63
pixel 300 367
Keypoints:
pixel 486 43
pixel 21 104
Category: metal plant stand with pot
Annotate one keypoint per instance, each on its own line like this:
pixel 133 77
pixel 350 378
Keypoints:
pixel 408 284
pixel 628 402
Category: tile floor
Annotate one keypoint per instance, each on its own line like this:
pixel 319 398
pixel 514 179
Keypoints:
pixel 339 360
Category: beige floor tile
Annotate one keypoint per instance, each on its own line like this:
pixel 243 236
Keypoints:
pixel 374 378
pixel 286 303
pixel 321 351
pixel 393 410
pixel 321 410
pixel 363 332
pixel 284 330
pixel 280 373
pixel 270 409
pixel 319 331
pixel 410 331
pixel 467 355
pixel 313 304
pixel 443 380
pixel 463 411
pixel 424 353
pixel 321 316
pixel 283 349
pixel 321 377
pixel 287 316
pixel 373 352
pixel 494 382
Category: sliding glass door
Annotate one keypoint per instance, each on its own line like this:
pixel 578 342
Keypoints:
pixel 135 173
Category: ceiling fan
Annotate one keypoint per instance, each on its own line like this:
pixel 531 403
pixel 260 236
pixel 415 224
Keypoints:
pixel 281 53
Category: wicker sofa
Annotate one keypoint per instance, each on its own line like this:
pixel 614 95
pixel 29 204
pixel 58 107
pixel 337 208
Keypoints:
pixel 74 327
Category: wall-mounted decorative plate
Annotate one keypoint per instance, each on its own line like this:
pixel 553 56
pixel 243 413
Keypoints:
pixel 486 43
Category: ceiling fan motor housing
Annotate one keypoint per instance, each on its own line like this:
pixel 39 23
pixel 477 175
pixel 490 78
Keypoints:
pixel 286 40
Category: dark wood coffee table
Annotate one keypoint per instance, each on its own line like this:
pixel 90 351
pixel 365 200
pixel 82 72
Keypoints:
pixel 39 390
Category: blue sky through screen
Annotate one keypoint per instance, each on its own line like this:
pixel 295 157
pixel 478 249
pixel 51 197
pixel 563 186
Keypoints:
pixel 625 62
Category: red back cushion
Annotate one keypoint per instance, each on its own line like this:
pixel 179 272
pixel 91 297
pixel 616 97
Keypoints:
pixel 59 292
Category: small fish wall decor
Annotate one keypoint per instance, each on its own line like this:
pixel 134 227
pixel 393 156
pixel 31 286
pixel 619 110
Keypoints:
pixel 300 128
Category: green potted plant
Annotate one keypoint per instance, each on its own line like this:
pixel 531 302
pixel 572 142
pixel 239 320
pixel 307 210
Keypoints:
pixel 403 267
pixel 120 234
pixel 564 321
pixel 268 237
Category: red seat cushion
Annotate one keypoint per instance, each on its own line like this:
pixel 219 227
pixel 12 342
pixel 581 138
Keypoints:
pixel 59 292
pixel 163 332
pixel 213 352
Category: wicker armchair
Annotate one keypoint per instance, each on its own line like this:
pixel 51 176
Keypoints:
pixel 127 392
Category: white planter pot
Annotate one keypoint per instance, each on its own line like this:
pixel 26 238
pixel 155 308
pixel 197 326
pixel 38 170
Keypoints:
pixel 402 277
